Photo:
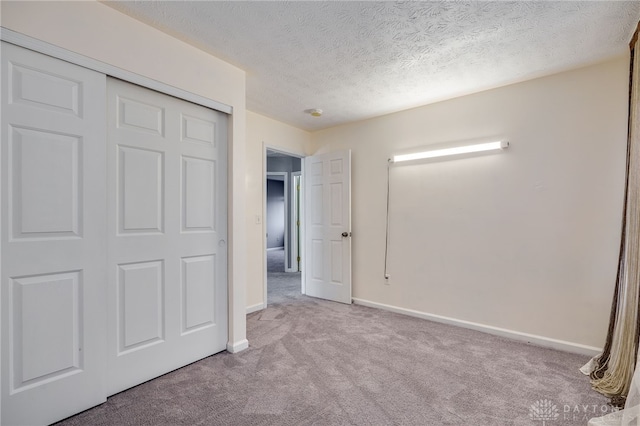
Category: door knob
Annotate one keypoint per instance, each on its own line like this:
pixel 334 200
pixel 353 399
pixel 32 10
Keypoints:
pixel 345 234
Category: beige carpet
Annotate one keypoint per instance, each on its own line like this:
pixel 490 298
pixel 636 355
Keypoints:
pixel 313 362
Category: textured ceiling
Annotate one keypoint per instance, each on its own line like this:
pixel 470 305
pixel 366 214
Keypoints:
pixel 357 60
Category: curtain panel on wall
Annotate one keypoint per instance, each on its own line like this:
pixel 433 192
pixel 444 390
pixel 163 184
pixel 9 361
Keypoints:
pixel 612 372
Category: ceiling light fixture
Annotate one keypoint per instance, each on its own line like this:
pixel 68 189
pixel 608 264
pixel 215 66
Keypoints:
pixel 315 112
pixel 446 152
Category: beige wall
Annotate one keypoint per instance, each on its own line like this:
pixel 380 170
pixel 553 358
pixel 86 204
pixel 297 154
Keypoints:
pixel 99 32
pixel 526 240
pixel 263 132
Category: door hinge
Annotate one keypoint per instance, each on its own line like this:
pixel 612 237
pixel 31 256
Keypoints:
pixel 298 223
pixel 298 258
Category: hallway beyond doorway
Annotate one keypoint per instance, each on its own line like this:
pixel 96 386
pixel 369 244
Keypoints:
pixel 280 285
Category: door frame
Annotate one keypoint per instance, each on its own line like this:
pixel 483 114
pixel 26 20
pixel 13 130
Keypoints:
pixel 269 147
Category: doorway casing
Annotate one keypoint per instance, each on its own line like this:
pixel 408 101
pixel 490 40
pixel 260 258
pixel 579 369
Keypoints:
pixel 268 147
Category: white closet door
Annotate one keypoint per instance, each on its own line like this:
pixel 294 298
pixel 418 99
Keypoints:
pixel 167 301
pixel 53 244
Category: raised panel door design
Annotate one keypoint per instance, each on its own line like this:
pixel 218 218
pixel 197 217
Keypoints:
pixel 198 130
pixel 45 328
pixel 336 204
pixel 198 194
pixel 328 226
pixel 141 304
pixel 166 233
pixel 141 116
pixel 141 190
pixel 40 89
pixel 52 238
pixel 317 259
pixel 316 168
pixel 198 283
pixel 336 262
pixel 317 198
pixel 336 166
pixel 45 184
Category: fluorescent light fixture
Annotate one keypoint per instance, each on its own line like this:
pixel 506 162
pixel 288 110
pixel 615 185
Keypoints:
pixel 445 152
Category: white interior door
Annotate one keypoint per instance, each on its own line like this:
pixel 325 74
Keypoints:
pixel 167 301
pixel 327 213
pixel 53 238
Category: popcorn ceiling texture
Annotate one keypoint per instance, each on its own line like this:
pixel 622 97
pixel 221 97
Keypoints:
pixel 358 60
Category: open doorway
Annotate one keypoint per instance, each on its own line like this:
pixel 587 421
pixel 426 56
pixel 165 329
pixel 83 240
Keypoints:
pixel 283 186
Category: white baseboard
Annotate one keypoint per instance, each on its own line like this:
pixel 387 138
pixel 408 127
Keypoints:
pixel 275 248
pixel 237 346
pixel 255 308
pixel 515 335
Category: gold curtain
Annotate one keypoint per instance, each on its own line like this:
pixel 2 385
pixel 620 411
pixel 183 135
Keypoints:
pixel 613 369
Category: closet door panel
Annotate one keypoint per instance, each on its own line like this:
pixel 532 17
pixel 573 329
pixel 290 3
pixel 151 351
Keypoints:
pixel 167 300
pixel 53 238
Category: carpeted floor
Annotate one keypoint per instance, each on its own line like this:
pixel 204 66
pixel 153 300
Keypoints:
pixel 314 362
pixel 275 260
pixel 280 284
